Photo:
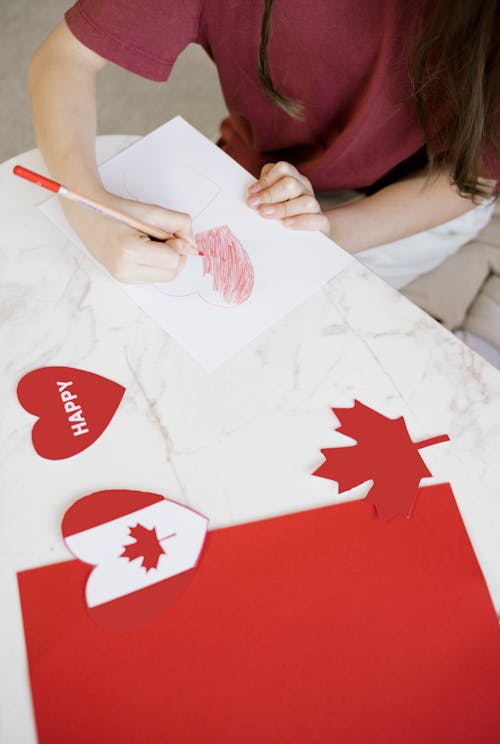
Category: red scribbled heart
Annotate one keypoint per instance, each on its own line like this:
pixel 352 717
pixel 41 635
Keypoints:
pixel 73 406
pixel 224 278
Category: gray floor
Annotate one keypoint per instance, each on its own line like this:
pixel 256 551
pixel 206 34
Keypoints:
pixel 192 90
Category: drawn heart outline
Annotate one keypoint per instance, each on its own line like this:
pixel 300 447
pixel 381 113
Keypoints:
pixel 73 407
pixel 121 593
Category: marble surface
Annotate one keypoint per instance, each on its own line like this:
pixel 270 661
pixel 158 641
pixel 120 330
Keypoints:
pixel 236 444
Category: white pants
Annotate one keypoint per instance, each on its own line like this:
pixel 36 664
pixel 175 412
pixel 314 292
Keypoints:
pixel 481 346
pixel 402 261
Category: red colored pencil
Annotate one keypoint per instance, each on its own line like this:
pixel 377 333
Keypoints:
pixel 85 201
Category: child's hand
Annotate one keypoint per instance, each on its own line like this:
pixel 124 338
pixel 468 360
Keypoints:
pixel 282 193
pixel 129 255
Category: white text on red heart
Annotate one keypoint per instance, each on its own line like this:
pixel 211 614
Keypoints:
pixel 75 417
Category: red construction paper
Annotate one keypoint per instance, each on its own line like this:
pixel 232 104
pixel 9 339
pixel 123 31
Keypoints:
pixel 324 626
pixel 137 568
pixel 383 453
pixel 73 407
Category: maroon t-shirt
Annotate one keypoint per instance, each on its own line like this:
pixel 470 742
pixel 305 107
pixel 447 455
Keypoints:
pixel 346 61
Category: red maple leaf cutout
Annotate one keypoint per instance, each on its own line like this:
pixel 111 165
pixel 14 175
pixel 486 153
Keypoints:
pixel 384 453
pixel 146 546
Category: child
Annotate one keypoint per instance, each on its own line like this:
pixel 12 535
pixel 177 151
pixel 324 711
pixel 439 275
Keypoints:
pixel 323 104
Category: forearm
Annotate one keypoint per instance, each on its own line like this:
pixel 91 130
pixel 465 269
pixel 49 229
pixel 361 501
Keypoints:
pixel 62 88
pixel 396 211
pixel 62 91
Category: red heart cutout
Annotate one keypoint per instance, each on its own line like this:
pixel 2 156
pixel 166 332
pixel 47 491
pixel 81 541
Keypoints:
pixel 73 406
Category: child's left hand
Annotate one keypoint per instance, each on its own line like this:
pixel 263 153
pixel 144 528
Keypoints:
pixel 282 193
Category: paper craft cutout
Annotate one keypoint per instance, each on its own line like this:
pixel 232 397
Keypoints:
pixel 288 266
pixel 324 626
pixel 383 453
pixel 124 535
pixel 224 277
pixel 73 406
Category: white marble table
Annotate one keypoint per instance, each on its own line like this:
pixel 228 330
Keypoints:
pixel 237 444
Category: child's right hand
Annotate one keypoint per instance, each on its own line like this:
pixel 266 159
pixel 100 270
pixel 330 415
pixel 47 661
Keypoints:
pixel 129 255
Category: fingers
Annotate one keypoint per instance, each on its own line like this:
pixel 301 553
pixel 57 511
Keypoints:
pixel 306 204
pixel 263 173
pixel 273 172
pixel 486 186
pixel 309 222
pixel 181 227
pixel 175 223
pixel 135 259
pixel 278 182
pixel 165 256
pixel 282 193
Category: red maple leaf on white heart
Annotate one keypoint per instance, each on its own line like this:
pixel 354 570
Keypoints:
pixel 146 546
pixel 126 537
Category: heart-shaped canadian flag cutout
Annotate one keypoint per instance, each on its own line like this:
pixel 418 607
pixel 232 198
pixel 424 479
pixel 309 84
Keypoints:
pixel 73 406
pixel 143 548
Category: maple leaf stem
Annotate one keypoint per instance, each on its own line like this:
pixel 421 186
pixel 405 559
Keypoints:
pixel 432 440
pixel 161 539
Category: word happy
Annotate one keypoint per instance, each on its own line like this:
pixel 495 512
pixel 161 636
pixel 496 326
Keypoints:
pixel 76 418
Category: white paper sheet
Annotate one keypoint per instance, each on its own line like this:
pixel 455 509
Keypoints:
pixel 177 167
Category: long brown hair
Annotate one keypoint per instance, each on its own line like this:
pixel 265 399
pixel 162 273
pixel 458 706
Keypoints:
pixel 454 69
pixel 294 108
